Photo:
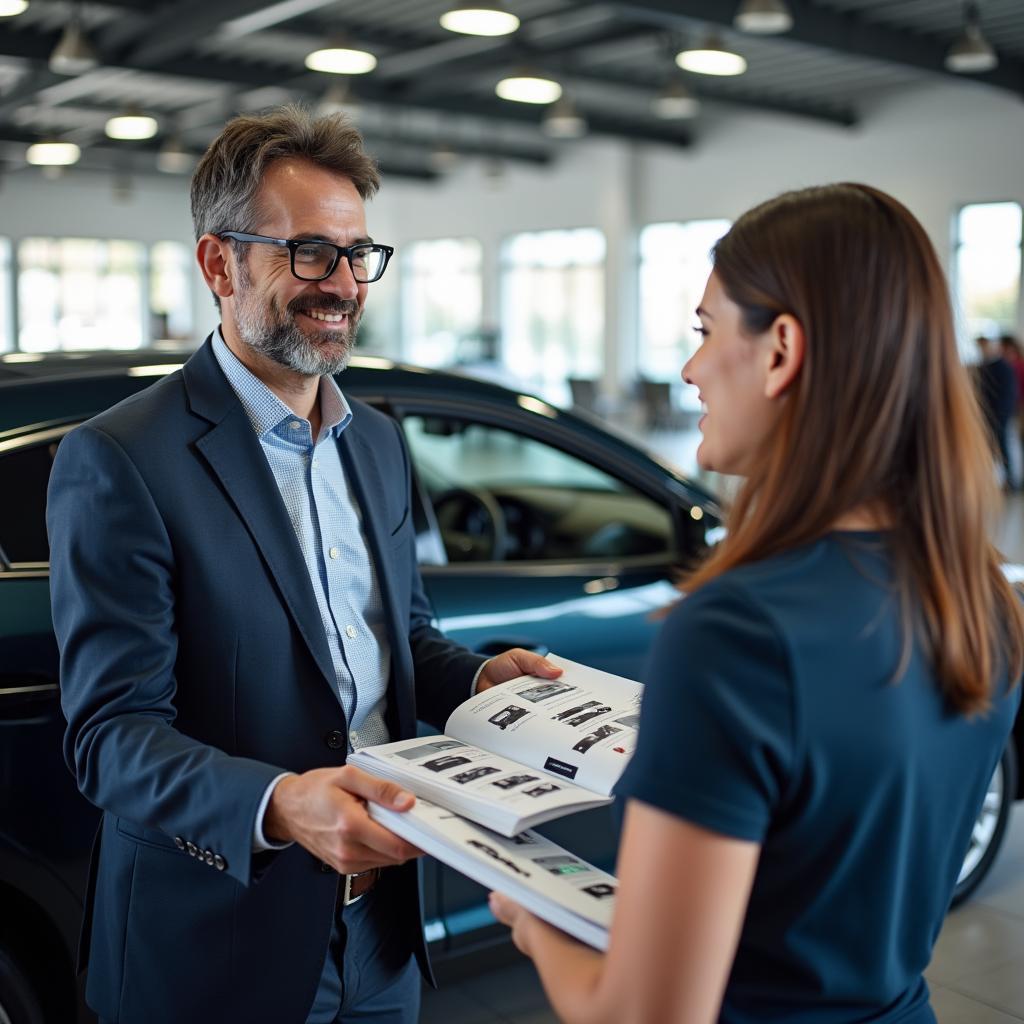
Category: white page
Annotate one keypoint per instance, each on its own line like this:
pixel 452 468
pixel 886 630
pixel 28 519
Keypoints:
pixel 497 791
pixel 544 877
pixel 581 726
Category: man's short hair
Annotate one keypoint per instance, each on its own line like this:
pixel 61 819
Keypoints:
pixel 226 183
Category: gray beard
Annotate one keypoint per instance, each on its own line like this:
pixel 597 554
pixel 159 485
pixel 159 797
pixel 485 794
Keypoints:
pixel 280 337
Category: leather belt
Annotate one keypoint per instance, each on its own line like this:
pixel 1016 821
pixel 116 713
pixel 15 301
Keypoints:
pixel 355 887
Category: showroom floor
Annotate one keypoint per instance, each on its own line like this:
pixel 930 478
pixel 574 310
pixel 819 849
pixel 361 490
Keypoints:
pixel 975 975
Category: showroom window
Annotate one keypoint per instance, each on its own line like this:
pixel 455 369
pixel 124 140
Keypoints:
pixel 987 271
pixel 552 304
pixel 170 296
pixel 442 301
pixel 83 293
pixel 674 267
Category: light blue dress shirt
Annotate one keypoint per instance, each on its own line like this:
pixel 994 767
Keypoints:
pixel 327 524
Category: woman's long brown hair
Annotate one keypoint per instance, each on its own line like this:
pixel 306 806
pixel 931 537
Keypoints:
pixel 882 415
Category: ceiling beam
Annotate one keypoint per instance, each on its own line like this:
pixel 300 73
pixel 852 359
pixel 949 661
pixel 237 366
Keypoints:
pixel 828 29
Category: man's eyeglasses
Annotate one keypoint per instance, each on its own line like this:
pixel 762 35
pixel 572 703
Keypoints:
pixel 315 261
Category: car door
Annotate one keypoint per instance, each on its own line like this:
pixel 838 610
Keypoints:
pixel 46 826
pixel 533 536
pixel 533 543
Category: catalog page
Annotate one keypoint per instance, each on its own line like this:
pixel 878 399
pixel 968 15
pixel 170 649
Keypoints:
pixel 544 877
pixel 581 727
pixel 494 790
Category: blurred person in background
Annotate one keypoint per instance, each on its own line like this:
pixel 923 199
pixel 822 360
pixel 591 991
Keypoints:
pixel 997 392
pixel 1013 353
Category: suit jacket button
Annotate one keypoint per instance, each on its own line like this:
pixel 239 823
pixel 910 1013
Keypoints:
pixel 208 856
pixel 335 739
pixel 219 862
pixel 192 848
pixel 325 867
pixel 179 842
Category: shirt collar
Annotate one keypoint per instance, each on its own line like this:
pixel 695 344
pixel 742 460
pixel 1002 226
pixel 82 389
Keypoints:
pixel 265 410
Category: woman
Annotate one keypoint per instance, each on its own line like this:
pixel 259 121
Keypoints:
pixel 826 707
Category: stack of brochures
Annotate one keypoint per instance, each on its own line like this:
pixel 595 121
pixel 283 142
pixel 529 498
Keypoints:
pixel 512 757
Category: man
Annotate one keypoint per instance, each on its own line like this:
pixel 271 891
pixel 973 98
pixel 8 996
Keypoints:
pixel 237 604
pixel 997 388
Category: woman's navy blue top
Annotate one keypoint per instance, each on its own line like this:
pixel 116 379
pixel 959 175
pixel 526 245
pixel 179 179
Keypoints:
pixel 772 713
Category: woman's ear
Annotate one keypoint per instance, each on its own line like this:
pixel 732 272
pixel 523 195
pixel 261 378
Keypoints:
pixel 786 354
pixel 212 254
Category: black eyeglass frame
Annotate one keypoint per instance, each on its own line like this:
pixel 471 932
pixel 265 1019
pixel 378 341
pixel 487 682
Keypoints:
pixel 292 244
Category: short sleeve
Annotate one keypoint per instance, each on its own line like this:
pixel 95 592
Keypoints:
pixel 716 724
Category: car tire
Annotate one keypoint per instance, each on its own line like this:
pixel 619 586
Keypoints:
pixel 18 1004
pixel 990 828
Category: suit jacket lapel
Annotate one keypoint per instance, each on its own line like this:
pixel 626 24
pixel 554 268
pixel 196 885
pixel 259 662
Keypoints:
pixel 233 452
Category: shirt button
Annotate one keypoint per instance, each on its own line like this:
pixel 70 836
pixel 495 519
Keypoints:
pixel 353 738
pixel 295 424
pixel 316 462
pixel 350 632
pixel 335 552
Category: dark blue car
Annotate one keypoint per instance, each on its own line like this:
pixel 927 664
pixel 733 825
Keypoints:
pixel 535 528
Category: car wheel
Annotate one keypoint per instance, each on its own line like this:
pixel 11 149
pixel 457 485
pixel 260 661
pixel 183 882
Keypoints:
pixel 989 829
pixel 18 1004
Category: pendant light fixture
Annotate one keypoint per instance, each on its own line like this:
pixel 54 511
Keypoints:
pixel 479 19
pixel 675 102
pixel 12 8
pixel 173 158
pixel 341 59
pixel 73 54
pixel 528 87
pixel 564 121
pixel 52 153
pixel 711 59
pixel 971 53
pixel 763 17
pixel 130 126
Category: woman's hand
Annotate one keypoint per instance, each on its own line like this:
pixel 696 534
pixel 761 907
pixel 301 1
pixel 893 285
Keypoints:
pixel 521 921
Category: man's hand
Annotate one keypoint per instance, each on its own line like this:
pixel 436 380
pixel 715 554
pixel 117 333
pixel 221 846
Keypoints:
pixel 513 663
pixel 324 810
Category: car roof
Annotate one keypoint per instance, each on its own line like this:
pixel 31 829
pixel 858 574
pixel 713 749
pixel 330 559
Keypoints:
pixel 47 389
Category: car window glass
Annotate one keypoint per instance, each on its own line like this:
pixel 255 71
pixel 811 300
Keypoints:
pixel 24 474
pixel 501 496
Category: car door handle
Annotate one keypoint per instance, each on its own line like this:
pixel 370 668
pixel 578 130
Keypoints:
pixel 22 698
pixel 501 644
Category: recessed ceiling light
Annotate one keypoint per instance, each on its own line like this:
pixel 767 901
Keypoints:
pixel 479 19
pixel 528 89
pixel 11 8
pixel 763 17
pixel 340 60
pixel 711 59
pixel 52 154
pixel 131 126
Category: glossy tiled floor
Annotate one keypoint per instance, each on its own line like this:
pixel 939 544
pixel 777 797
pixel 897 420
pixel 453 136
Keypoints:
pixel 976 975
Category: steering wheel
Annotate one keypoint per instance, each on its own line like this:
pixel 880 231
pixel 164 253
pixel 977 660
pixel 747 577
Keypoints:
pixel 472 525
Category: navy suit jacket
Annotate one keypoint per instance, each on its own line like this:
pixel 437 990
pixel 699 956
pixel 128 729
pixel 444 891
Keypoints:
pixel 194 669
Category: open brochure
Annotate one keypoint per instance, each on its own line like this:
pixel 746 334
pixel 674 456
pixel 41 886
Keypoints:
pixel 524 752
pixel 537 873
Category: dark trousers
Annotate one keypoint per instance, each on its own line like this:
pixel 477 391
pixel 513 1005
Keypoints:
pixel 369 974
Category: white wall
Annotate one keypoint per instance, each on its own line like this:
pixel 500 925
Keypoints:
pixel 934 148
